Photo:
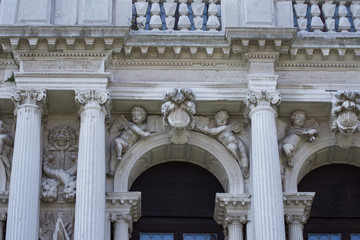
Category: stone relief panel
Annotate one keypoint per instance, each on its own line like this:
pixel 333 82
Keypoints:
pixel 128 133
pixel 228 134
pixel 56 225
pixel 178 114
pixel 346 112
pixel 59 165
pixel 6 145
pixel 300 130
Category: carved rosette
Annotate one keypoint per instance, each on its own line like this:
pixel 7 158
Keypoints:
pixel 261 99
pixel 296 218
pixel 94 98
pixel 346 112
pixel 30 98
pixel 178 114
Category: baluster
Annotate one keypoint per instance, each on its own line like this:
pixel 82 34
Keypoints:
pixel 316 23
pixel 355 12
pixel 328 12
pixel 344 24
pixel 184 22
pixel 155 20
pixel 170 8
pixel 212 22
pixel 198 10
pixel 300 11
pixel 141 7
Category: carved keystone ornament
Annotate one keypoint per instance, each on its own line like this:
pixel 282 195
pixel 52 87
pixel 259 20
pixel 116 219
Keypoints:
pixel 178 114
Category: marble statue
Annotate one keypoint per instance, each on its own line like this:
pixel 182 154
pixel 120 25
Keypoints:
pixel 132 131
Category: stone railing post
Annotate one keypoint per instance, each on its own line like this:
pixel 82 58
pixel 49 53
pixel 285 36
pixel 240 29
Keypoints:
pixel 24 200
pixel 267 203
pixel 91 167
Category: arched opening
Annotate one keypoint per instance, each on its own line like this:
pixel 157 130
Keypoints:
pixel 335 212
pixel 178 201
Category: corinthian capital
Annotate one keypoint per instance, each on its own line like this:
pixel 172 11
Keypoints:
pixel 29 97
pixel 258 99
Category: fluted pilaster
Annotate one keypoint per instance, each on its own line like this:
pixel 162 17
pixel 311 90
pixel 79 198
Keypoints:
pixel 122 226
pixel 90 188
pixel 295 226
pixel 267 203
pixel 24 200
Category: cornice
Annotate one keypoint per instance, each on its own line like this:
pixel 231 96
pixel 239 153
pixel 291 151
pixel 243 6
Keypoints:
pixel 315 65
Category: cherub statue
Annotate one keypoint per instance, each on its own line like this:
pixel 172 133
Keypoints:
pixel 130 135
pixel 224 132
pixel 300 129
pixel 6 142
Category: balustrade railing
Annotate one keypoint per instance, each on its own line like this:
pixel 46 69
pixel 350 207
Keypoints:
pixel 327 15
pixel 182 15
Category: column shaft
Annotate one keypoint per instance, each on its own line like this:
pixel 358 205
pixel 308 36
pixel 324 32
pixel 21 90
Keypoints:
pixel 268 212
pixel 24 200
pixel 90 189
pixel 235 231
pixel 295 231
pixel 121 231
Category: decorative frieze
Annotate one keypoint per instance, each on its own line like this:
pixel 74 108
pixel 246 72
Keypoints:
pixel 178 114
pixel 128 134
pixel 346 113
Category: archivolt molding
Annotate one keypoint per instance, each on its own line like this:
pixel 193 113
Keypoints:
pixel 234 183
pixel 304 154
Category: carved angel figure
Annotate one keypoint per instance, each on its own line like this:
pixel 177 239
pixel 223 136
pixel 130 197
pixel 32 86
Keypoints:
pixel 6 143
pixel 131 133
pixel 300 129
pixel 224 132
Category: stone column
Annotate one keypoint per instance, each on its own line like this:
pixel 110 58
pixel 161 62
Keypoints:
pixel 295 226
pixel 24 196
pixel 234 227
pixel 90 188
pixel 267 203
pixel 122 226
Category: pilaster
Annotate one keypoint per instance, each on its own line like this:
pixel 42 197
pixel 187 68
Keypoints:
pixel 24 200
pixel 90 188
pixel 267 205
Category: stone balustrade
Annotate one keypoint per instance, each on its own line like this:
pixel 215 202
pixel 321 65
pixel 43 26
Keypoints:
pixel 182 15
pixel 327 15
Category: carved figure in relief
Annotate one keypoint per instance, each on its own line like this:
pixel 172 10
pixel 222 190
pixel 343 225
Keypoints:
pixel 56 225
pixel 300 129
pixel 60 165
pixel 178 114
pixel 225 133
pixel 6 144
pixel 131 133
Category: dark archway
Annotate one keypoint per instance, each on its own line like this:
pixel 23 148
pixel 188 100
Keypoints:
pixel 336 206
pixel 177 198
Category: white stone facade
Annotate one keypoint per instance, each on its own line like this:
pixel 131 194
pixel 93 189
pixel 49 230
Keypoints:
pixel 71 73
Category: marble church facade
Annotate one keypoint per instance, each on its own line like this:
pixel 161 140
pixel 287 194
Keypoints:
pixel 93 94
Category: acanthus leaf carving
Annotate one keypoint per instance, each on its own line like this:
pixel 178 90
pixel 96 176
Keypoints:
pixel 130 133
pixel 257 99
pixel 30 97
pixel 94 98
pixel 225 134
pixel 300 129
pixel 178 114
pixel 346 112
pixel 60 165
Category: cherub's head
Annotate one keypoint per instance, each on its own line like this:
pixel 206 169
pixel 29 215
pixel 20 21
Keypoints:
pixel 138 114
pixel 221 118
pixel 298 118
